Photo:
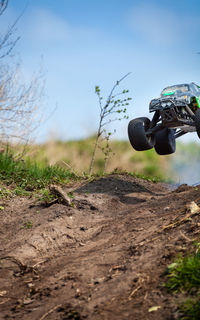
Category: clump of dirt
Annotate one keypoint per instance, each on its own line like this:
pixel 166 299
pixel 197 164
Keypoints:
pixel 102 256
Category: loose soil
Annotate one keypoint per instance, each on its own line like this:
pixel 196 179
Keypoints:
pixel 104 257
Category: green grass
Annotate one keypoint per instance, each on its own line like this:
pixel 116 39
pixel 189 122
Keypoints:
pixel 190 309
pixel 184 274
pixel 149 178
pixel 5 193
pixel 27 225
pixel 21 178
pixel 153 179
pixel 28 175
pixel 184 277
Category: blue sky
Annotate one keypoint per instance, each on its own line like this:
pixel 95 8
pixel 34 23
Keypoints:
pixel 86 43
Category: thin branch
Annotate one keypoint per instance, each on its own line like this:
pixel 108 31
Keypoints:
pixel 6 42
pixel 3 6
pixel 111 120
pixel 50 311
pixel 117 83
pixel 106 111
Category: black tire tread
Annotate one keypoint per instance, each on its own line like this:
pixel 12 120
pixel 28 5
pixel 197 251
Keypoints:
pixel 137 136
pixel 197 122
pixel 165 141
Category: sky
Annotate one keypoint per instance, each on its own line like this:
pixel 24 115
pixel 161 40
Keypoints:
pixel 81 44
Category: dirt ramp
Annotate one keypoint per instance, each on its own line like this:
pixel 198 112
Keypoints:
pixel 103 257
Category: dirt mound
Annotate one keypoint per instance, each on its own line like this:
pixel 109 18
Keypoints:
pixel 103 257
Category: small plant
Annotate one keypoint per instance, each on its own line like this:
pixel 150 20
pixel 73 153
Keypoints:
pixel 70 195
pixel 112 110
pixel 45 195
pixel 190 309
pixel 18 191
pixel 5 193
pixel 185 273
pixel 184 277
pixel 28 224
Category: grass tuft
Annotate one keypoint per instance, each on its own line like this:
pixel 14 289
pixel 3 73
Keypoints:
pixel 185 274
pixel 184 277
pixel 190 309
pixel 28 175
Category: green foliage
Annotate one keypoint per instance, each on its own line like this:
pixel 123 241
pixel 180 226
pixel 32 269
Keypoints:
pixel 154 179
pixel 45 195
pixel 150 162
pixel 70 195
pixel 18 191
pixel 99 163
pixel 75 156
pixel 184 274
pixel 5 193
pixel 82 146
pixel 190 309
pixel 184 277
pixel 113 109
pixel 28 175
pixel 28 225
pixel 150 169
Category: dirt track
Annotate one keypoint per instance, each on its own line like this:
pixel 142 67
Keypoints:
pixel 102 258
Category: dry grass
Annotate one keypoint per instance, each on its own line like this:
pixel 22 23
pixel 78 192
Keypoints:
pixel 77 156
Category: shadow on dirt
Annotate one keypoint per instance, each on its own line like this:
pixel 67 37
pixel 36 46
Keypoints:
pixel 117 187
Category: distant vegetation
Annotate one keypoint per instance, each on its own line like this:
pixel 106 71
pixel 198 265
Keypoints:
pixel 75 156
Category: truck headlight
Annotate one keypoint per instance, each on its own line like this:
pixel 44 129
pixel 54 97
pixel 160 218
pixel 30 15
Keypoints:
pixel 165 104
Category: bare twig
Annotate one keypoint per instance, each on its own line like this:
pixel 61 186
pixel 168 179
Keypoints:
pixel 50 311
pixel 193 211
pixel 21 266
pixel 7 43
pixel 4 301
pixel 19 105
pixel 186 238
pixel 70 167
pixel 140 282
pixel 39 263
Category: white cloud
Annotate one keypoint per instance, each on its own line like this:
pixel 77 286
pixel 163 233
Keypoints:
pixel 160 25
pixel 46 26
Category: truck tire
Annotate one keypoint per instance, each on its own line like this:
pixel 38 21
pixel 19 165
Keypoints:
pixel 197 122
pixel 139 140
pixel 165 141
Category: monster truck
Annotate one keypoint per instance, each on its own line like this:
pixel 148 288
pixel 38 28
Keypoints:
pixel 176 112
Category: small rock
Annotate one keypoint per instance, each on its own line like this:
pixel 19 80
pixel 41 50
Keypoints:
pixel 27 301
pixel 193 207
pixel 166 208
pixel 154 308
